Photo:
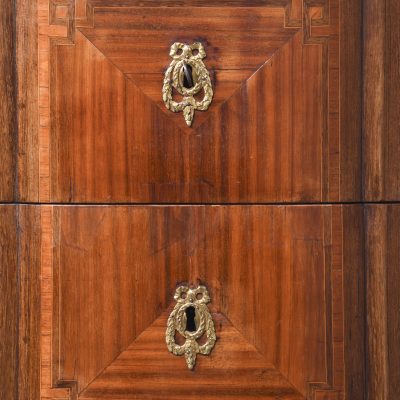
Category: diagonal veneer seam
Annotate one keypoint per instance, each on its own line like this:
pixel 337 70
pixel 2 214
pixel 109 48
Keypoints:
pixel 234 93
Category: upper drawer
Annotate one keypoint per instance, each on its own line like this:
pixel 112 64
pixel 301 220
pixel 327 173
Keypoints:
pixel 279 127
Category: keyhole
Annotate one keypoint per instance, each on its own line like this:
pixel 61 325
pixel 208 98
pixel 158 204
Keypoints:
pixel 190 319
pixel 187 76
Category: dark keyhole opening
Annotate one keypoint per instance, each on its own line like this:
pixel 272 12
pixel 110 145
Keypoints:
pixel 190 319
pixel 187 76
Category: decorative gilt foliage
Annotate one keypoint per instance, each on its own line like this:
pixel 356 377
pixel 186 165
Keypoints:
pixel 177 321
pixel 182 55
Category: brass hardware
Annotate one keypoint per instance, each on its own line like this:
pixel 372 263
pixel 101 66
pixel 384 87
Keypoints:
pixel 191 301
pixel 187 67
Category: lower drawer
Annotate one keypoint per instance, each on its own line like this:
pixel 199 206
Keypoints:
pixel 285 285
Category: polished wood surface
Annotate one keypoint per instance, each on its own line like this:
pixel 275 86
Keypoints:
pixel 83 257
pixel 381 183
pixel 9 303
pixel 304 297
pixel 20 302
pixel 354 293
pixel 383 304
pixel 27 89
pixel 8 106
pixel 381 98
pixel 33 151
pixel 109 272
pixel 29 302
pixel 172 239
pixel 282 98
pixel 146 369
pixel 351 80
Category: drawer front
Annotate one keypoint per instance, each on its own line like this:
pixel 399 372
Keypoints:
pixel 277 129
pixel 278 279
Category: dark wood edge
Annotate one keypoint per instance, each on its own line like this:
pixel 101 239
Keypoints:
pixel 8 122
pixel 351 100
pixel 20 302
pixel 354 301
pixel 9 278
pixel 29 307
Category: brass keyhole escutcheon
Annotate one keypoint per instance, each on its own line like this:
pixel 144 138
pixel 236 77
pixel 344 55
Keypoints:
pixel 188 75
pixel 192 319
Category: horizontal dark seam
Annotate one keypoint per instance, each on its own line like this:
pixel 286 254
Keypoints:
pixel 305 203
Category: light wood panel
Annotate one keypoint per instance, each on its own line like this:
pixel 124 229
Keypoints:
pixel 274 275
pixel 27 89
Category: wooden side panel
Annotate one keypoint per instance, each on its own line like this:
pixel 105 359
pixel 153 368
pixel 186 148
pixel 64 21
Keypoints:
pixel 381 99
pixel 20 302
pixel 383 280
pixel 393 300
pixel 109 272
pixel 392 84
pixel 9 278
pixel 8 131
pixel 29 308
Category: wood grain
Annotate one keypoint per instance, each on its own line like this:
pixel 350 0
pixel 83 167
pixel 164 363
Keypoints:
pixel 49 388
pixel 383 278
pixel 354 301
pixel 29 308
pixel 27 174
pixel 393 301
pixel 9 309
pixel 221 162
pixel 351 100
pixel 392 143
pixel 117 267
pixel 192 3
pixel 381 88
pixel 8 131
pixel 374 95
pixel 145 369
pixel 337 179
pixel 155 158
pixel 88 289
